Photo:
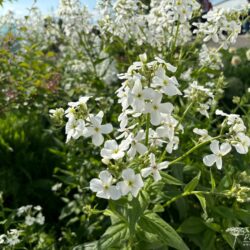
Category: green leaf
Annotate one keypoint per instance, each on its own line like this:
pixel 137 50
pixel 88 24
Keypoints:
pixel 114 238
pixel 192 184
pixel 208 240
pixel 212 181
pixel 153 224
pixel 243 215
pixel 215 227
pixel 192 225
pixel 168 179
pixel 203 202
pixel 229 239
pixel 134 212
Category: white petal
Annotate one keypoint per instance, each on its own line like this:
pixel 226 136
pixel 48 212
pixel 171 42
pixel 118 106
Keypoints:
pixel 163 165
pixel 88 131
pixel 106 129
pixel 135 191
pixel 111 144
pixel 123 187
pixel 95 121
pixel 138 181
pixel 115 194
pixel 155 118
pixel 171 68
pixel 118 155
pixel 106 153
pixel 145 172
pixel 96 185
pixel 160 73
pixel 97 139
pixel 132 152
pixel 105 177
pixel 149 93
pixel 162 132
pixel 225 148
pixel 209 160
pixel 219 162
pixel 166 108
pixel 171 90
pixel 241 149
pixel 140 135
pixel 128 174
pixel 103 194
pixel 156 175
pixel 214 146
pixel 152 159
pixel 141 148
pixel 137 87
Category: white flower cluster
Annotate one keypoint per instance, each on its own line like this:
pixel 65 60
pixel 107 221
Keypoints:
pixel 33 214
pixel 219 27
pixel 201 96
pixel 236 137
pixel 74 17
pixel 148 122
pixel 125 19
pixel 141 95
pixel 129 19
pixel 209 57
pixel 82 123
pixel 11 238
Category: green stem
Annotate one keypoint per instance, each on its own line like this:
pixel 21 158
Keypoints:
pixel 192 150
pixel 190 193
pixel 175 39
pixel 184 114
pixel 147 129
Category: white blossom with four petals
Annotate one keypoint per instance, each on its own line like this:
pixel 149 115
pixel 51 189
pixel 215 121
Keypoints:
pixel 132 183
pixel 218 151
pixel 103 186
pixel 96 130
pixel 154 168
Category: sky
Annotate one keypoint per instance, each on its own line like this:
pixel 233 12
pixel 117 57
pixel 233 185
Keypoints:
pixel 46 6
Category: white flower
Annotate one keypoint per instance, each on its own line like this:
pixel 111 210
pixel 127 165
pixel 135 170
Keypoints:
pixel 203 133
pixel 243 143
pixel 173 144
pixel 74 129
pixel 135 144
pixel 169 66
pixel 137 96
pixel 218 152
pixel 97 129
pixel 13 237
pixel 70 113
pixel 56 113
pixel 168 85
pixel 132 182
pixel 3 238
pixel 112 150
pixel 168 128
pixel 103 186
pixel 81 102
pixel 24 209
pixel 155 108
pixel 29 220
pixel 203 108
pixel 154 168
pixel 40 219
